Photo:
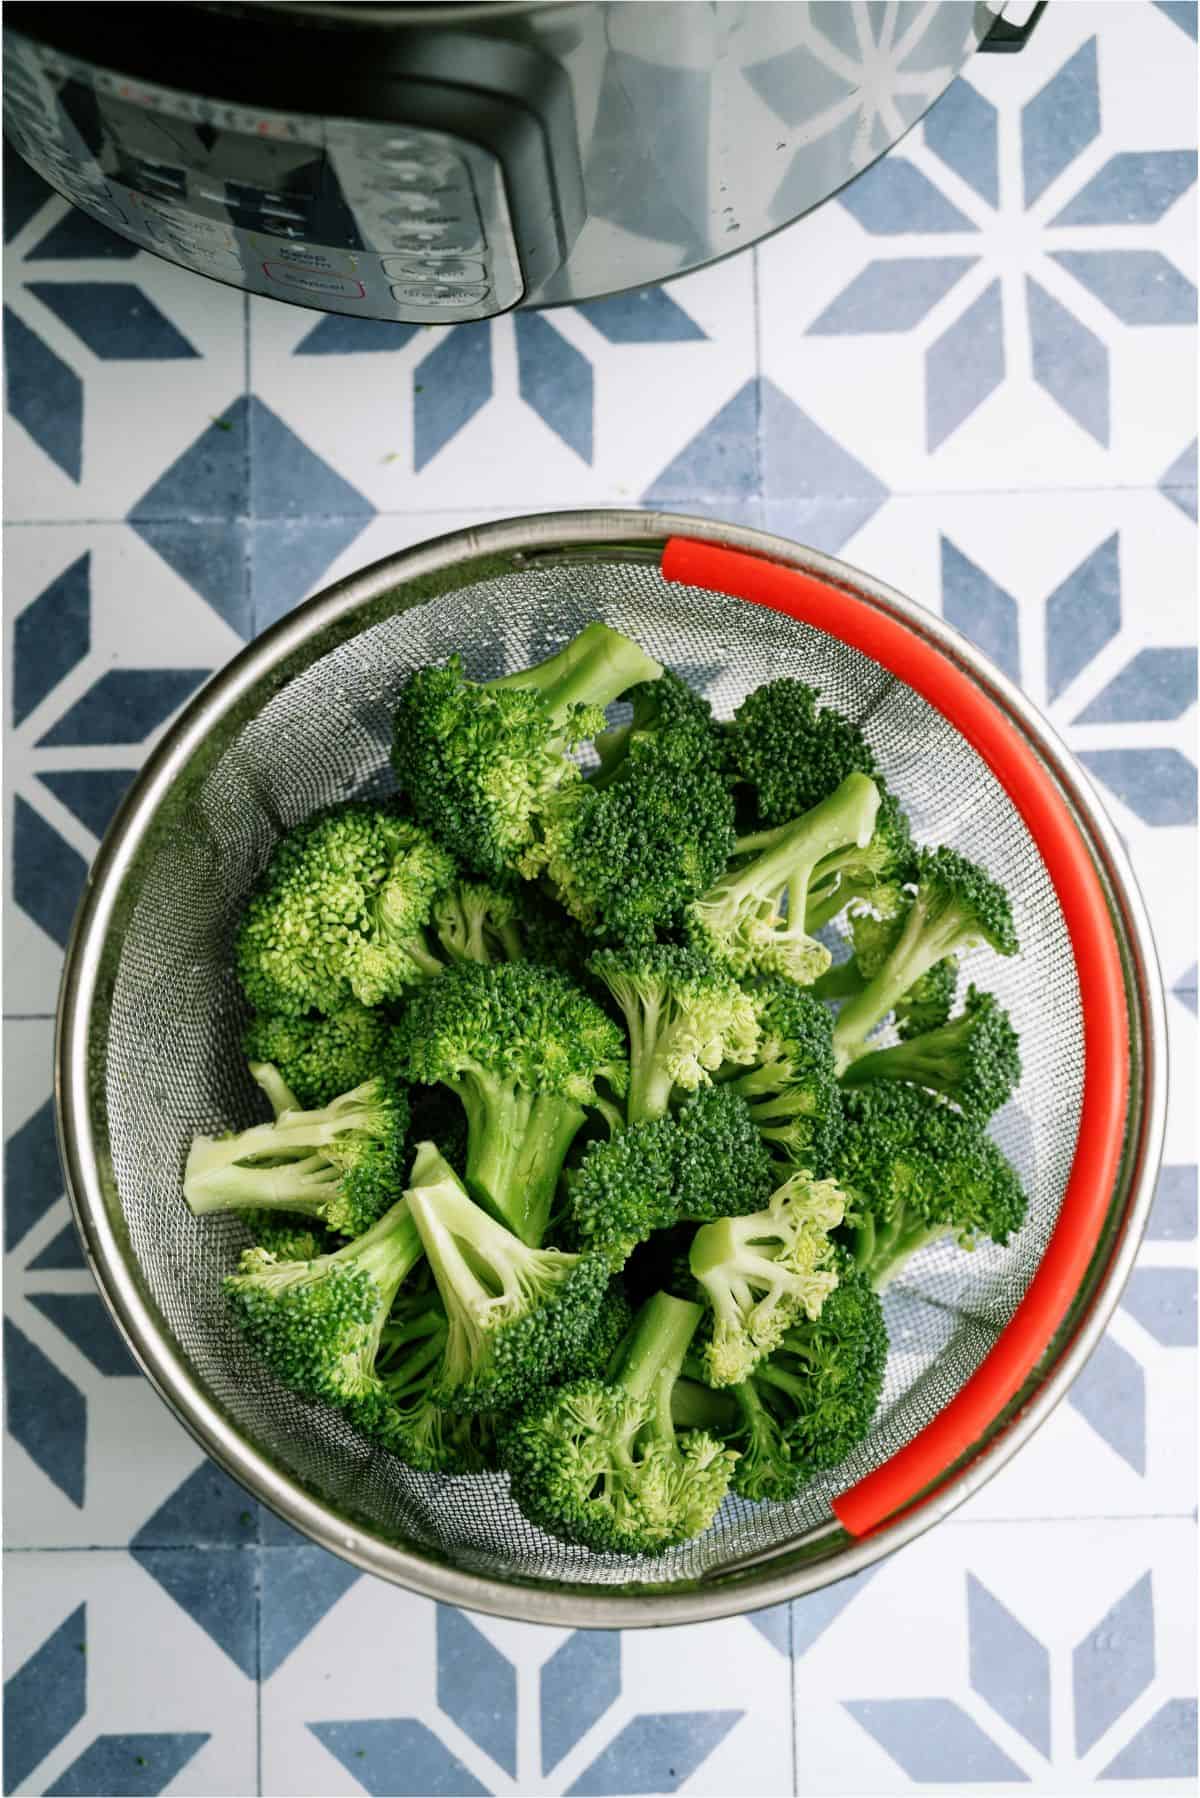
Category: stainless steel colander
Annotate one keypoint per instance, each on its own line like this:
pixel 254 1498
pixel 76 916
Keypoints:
pixel 982 1345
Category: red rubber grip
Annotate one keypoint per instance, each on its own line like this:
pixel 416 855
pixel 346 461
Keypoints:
pixel 905 1480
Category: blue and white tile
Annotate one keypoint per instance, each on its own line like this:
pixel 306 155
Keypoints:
pixel 104 644
pixel 584 405
pixel 389 1693
pixel 1008 300
pixel 111 1687
pixel 1049 1655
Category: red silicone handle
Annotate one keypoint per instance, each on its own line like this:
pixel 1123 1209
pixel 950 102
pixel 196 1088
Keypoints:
pixel 905 1479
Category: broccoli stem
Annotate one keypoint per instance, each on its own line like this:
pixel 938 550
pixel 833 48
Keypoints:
pixel 517 1142
pixel 478 1263
pixel 388 1251
pixel 881 1250
pixel 841 981
pixel 650 1081
pixel 654 1357
pixel 934 1059
pixel 279 1094
pixel 695 1406
pixel 923 941
pixel 595 668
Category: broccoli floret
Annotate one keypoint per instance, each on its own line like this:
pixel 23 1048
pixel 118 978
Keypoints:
pixel 760 1272
pixel 754 916
pixel 928 1002
pixel 479 762
pixel 340 912
pixel 474 921
pixel 523 1048
pixel 685 1015
pixel 318 1056
pixel 871 875
pixel 627 848
pixel 516 1315
pixel 791 750
pixel 790 1087
pixel 317 1324
pixel 613 1322
pixel 806 1406
pixel 914 1170
pixel 399 1411
pixel 975 1059
pixel 288 1237
pixel 341 1165
pixel 705 1161
pixel 957 907
pixel 598 1461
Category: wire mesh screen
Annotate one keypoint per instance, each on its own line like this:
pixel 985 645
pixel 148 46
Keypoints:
pixel 174 1065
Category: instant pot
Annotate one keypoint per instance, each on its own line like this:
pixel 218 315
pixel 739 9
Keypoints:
pixel 435 163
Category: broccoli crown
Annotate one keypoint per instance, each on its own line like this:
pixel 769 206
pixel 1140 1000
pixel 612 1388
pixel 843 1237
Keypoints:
pixel 685 1014
pixel 753 918
pixel 975 1059
pixel 705 1161
pixel 760 1272
pixel 341 1165
pixel 320 1057
pixel 960 895
pixel 669 718
pixel 612 1324
pixel 317 1323
pixel 791 750
pixel 814 1400
pixel 791 1087
pixel 339 912
pixel 915 1169
pixel 516 1316
pixel 479 762
pixel 476 921
pixel 598 1461
pixel 288 1236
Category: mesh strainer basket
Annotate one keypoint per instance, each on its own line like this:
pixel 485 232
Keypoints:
pixel 982 1345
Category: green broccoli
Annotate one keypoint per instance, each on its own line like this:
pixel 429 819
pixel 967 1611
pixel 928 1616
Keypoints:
pixel 957 907
pixel 914 1170
pixel 474 921
pixel 975 1059
pixel 438 1116
pixel 760 1272
pixel 317 1324
pixel 318 1056
pixel 523 1048
pixel 516 1316
pixel 479 762
pixel 399 1410
pixel 686 1016
pixel 340 912
pixel 871 875
pixel 598 1461
pixel 704 1161
pixel 792 751
pixel 929 1001
pixel 626 848
pixel 289 1237
pixel 753 918
pixel 341 1165
pixel 790 1087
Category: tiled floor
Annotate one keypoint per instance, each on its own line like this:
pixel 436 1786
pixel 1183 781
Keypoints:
pixel 973 375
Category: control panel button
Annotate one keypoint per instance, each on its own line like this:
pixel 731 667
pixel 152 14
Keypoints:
pixel 431 235
pixel 451 269
pixel 313 280
pixel 426 293
pixel 305 256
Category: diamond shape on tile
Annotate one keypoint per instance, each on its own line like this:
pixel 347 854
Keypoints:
pixel 579 1682
pixel 79 238
pixel 450 386
pixel 1133 187
pixel 1009 1666
pixel 91 794
pixel 209 480
pixel 290 480
pixel 51 635
pixel 824 524
pixel 1069 362
pixel 1179 481
pixel 299 1587
pixel 1060 121
pixel 1113 1664
pixel 644 315
pixel 337 334
pixel 962 129
pixel 209 1510
pixel 1182 13
pixel 115 319
pixel 721 459
pixel 1140 287
pixel 655 1752
pixel 47 874
pixel 1173 1218
pixel 1158 784
pixel 288 558
pixel 1163 1299
pixel 773 1625
pixel 137 1766
pixel 124 706
pixel 477 1687
pixel 974 604
pixel 44 395
pixel 555 380
pixel 963 366
pixel 24 192
pixel 45 1698
pixel 397 1758
pixel 813 1614
pixel 1158 683
pixel 1083 614
pixel 83 1320
pixel 893 198
pixel 800 459
pixel 933 1739
pixel 218 1591
pixel 1110 1393
pixel 1165 1747
pixel 45 1413
pixel 60 1253
pixel 210 555
pixel 891 295
pixel 32 1174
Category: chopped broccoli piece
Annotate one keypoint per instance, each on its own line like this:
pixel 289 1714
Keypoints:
pixel 685 1014
pixel 474 921
pixel 957 906
pixel 340 912
pixel 318 1056
pixel 975 1059
pixel 791 750
pixel 288 1236
pixel 317 1324
pixel 523 1048
pixel 914 1170
pixel 760 1272
pixel 399 1411
pixel 705 1161
pixel 516 1315
pixel 790 1087
pixel 598 1461
pixel 874 875
pixel 480 762
pixel 754 916
pixel 340 1165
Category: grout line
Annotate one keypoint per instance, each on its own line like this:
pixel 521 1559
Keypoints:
pixel 258 1731
pixel 791 1634
pixel 29 1017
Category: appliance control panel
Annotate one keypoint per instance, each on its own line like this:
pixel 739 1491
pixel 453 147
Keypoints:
pixel 386 221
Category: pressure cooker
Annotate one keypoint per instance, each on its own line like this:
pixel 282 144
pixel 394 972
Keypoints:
pixel 436 163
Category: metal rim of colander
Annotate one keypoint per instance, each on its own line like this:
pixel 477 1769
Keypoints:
pixel 826 1553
